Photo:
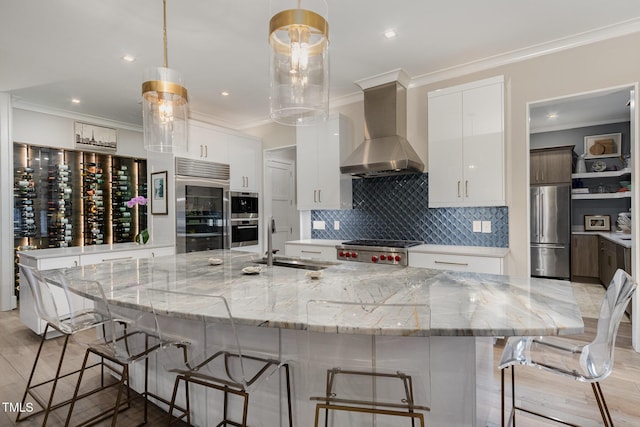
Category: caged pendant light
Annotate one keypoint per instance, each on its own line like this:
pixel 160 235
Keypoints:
pixel 164 106
pixel 299 62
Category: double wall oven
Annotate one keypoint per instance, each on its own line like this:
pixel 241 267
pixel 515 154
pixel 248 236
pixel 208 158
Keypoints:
pixel 202 205
pixel 244 218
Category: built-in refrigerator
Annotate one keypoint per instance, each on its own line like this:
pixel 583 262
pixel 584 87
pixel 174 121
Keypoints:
pixel 551 231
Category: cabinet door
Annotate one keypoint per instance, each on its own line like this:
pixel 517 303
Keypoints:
pixel 307 140
pixel 607 260
pixel 329 176
pixel 244 159
pixel 550 166
pixel 206 143
pixel 455 262
pixel 445 150
pixel 584 256
pixel 325 253
pixel 482 149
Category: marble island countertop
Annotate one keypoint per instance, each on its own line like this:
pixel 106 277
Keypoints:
pixel 461 304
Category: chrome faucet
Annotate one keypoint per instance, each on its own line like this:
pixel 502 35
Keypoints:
pixel 272 229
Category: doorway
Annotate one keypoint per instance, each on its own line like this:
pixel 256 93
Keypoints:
pixel 597 192
pixel 279 196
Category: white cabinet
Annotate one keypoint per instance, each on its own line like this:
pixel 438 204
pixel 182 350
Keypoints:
pixel 319 152
pixel 466 145
pixel 206 143
pixel 244 159
pixel 321 252
pixel 453 262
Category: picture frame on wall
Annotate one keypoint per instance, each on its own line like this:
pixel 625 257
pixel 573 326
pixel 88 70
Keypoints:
pixel 597 223
pixel 90 137
pixel 606 145
pixel 159 193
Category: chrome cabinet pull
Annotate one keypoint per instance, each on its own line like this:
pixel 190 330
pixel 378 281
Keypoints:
pixel 451 263
pixel 206 151
pixel 319 196
pixel 315 197
pixel 458 188
pixel 310 252
pixel 466 188
pixel 118 259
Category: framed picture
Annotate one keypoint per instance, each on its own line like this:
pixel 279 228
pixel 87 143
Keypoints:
pixel 95 138
pixel 598 146
pixel 159 196
pixel 597 223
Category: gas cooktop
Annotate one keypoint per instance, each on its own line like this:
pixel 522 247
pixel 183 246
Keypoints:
pixel 393 252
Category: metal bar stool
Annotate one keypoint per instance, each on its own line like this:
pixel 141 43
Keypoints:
pixel 591 362
pixel 227 368
pixel 370 384
pixel 68 323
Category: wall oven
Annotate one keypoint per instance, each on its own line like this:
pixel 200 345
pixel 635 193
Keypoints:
pixel 244 218
pixel 202 205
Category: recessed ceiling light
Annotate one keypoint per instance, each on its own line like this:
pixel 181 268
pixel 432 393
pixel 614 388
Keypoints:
pixel 552 116
pixel 128 58
pixel 75 101
pixel 390 33
pixel 224 93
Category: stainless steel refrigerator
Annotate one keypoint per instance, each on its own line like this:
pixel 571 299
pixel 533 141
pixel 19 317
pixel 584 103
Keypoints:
pixel 551 231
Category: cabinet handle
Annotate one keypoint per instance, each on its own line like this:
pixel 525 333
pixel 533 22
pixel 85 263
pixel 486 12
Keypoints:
pixel 466 188
pixel 315 197
pixel 118 259
pixel 458 188
pixel 319 196
pixel 451 263
pixel 206 151
pixel 75 263
pixel 310 252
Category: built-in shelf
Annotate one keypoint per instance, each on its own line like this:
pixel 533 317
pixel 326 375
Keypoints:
pixel 617 195
pixel 606 174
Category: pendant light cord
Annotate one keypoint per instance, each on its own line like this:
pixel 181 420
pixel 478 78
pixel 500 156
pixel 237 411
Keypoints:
pixel 164 3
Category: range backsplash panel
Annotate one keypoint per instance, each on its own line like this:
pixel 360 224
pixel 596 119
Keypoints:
pixel 396 207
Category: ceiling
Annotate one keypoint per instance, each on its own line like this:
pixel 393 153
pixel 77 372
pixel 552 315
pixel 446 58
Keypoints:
pixel 53 51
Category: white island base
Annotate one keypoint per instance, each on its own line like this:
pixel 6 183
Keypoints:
pixel 448 373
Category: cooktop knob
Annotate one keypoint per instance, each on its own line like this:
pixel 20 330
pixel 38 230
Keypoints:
pixel 374 258
pixel 382 257
pixel 354 255
pixel 398 258
pixel 341 254
pixel 348 255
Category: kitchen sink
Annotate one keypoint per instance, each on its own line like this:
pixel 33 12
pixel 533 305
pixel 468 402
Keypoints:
pixel 303 263
pixel 625 238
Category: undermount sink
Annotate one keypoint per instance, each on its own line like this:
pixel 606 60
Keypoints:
pixel 305 264
pixel 625 238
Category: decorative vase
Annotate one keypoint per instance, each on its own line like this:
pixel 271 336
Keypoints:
pixel 581 167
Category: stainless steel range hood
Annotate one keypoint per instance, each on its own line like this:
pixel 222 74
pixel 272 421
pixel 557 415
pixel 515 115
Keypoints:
pixel 385 150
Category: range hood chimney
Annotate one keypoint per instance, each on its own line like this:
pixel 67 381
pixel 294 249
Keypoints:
pixel 385 150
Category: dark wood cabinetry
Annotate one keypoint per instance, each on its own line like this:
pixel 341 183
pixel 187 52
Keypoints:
pixel 551 165
pixel 584 257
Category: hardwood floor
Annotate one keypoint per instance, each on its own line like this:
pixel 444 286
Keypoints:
pixel 558 396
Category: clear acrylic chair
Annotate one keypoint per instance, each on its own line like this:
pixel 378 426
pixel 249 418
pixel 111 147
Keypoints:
pixel 130 336
pixel 217 359
pixel 591 362
pixel 367 352
pixel 68 319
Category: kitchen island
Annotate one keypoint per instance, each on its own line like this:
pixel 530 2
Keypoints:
pixel 467 312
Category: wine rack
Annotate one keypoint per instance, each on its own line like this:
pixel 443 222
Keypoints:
pixel 93 203
pixel 24 221
pixel 59 210
pixel 122 214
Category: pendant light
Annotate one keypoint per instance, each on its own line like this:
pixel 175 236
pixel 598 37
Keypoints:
pixel 164 106
pixel 299 63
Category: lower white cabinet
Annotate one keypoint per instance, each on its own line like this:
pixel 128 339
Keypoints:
pixel 469 263
pixel 38 259
pixel 321 252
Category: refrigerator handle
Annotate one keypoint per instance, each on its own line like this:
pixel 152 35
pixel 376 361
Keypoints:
pixel 542 215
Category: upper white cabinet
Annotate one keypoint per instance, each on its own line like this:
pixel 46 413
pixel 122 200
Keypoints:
pixel 466 145
pixel 206 143
pixel 244 159
pixel 320 149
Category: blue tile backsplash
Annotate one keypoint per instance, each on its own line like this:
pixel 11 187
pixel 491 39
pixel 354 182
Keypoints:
pixel 396 207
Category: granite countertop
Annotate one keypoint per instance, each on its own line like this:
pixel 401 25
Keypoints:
pixel 461 304
pixel 85 250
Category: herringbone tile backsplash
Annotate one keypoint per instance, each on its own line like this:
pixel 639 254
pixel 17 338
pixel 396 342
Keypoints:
pixel 396 208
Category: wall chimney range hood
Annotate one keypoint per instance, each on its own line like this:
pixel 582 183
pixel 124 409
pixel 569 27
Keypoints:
pixel 385 150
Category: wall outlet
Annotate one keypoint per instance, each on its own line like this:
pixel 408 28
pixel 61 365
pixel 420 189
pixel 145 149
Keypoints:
pixel 318 225
pixel 336 225
pixel 477 226
pixel 486 226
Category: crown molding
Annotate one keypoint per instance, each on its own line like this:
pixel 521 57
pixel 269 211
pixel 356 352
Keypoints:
pixel 21 105
pixel 575 125
pixel 617 30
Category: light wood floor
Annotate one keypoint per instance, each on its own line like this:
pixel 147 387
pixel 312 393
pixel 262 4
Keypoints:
pixel 561 397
